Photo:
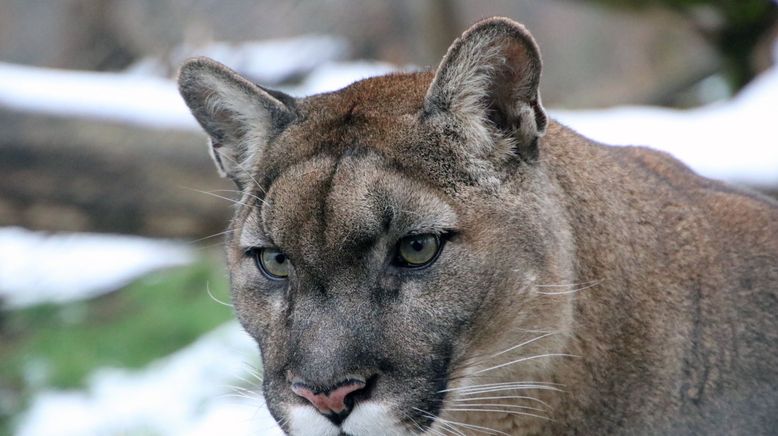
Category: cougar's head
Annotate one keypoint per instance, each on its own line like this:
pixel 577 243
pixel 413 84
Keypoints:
pixel 389 236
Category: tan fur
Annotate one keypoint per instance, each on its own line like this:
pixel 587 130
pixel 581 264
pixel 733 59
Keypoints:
pixel 619 292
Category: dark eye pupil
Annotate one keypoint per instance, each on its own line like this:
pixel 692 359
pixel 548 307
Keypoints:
pixel 280 258
pixel 417 244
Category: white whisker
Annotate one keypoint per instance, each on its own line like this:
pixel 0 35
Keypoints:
pixel 224 156
pixel 261 200
pixel 508 412
pixel 450 427
pixel 501 397
pixel 511 388
pixel 235 395
pixel 525 359
pixel 510 406
pixel 248 382
pixel 571 291
pixel 479 428
pixel 253 371
pixel 416 424
pixel 213 297
pixel 487 385
pixel 433 418
pixel 218 196
pixel 210 236
pixel 523 344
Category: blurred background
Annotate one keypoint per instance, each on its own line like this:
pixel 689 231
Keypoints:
pixel 114 303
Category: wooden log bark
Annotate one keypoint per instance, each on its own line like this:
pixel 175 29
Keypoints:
pixel 83 175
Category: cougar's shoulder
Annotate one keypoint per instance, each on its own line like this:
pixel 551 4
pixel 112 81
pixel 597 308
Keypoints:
pixel 690 263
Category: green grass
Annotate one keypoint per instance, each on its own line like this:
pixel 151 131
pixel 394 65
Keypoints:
pixel 57 346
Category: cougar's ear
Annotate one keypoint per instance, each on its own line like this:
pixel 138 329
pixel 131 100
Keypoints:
pixel 490 77
pixel 239 116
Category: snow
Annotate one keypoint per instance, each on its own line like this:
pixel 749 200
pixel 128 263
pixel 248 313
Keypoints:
pixel 734 140
pixel 199 390
pixel 128 98
pixel 139 100
pixel 273 61
pixel 37 267
pixel 332 76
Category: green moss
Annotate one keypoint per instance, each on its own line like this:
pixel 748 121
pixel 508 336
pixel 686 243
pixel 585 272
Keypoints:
pixel 57 346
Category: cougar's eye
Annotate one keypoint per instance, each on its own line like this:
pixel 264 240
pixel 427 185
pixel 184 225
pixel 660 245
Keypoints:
pixel 415 251
pixel 271 261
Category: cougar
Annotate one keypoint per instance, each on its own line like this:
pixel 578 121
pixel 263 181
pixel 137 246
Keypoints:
pixel 429 253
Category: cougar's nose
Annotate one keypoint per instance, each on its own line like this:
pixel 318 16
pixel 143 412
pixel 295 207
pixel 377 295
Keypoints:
pixel 333 401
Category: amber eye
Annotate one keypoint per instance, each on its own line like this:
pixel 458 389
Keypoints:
pixel 416 251
pixel 271 261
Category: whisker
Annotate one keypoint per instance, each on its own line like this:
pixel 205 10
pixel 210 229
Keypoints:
pixel 571 291
pixel 213 297
pixel 525 359
pixel 434 419
pixel 501 397
pixel 248 382
pixel 450 427
pixel 405 415
pixel 486 385
pixel 510 406
pixel 231 200
pixel 253 371
pixel 241 389
pixel 510 388
pixel 477 359
pixel 508 412
pixel 486 430
pixel 477 428
pixel 524 343
pixel 429 427
pixel 256 197
pixel 206 247
pixel 210 236
pixel 224 156
pixel 569 285
pixel 235 395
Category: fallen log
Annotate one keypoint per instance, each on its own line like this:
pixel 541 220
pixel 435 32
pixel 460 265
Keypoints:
pixel 63 174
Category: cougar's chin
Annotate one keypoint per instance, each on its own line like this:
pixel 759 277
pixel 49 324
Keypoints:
pixel 306 421
pixel 373 418
pixel 370 418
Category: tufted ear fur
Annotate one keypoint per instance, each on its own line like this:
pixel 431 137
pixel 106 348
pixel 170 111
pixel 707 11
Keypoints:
pixel 489 81
pixel 238 116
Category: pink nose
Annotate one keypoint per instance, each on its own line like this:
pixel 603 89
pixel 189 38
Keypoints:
pixel 330 400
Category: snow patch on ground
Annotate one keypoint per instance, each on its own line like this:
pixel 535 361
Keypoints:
pixel 191 392
pixel 37 267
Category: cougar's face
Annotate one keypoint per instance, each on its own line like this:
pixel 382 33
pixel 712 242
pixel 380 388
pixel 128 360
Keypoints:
pixel 364 278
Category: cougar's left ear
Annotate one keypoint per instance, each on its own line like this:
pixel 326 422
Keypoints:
pixel 490 77
pixel 239 116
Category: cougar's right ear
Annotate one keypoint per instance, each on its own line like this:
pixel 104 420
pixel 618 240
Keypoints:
pixel 490 76
pixel 239 116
